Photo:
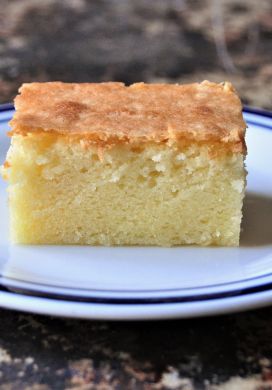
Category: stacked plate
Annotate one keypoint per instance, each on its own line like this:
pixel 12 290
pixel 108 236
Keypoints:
pixel 148 283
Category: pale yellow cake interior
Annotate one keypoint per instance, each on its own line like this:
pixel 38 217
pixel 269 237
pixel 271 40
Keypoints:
pixel 61 191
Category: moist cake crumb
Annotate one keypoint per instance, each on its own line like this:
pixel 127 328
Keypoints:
pixel 106 164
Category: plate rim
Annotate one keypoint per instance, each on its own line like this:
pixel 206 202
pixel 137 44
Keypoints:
pixel 138 296
pixel 125 312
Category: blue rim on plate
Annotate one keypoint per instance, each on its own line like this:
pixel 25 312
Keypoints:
pixel 263 119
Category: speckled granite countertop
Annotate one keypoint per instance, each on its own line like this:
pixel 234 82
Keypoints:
pixel 126 40
pixel 41 353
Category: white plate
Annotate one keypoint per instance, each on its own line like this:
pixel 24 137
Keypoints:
pixel 148 283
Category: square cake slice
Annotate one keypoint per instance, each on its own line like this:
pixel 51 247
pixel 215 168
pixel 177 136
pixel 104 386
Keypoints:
pixel 107 164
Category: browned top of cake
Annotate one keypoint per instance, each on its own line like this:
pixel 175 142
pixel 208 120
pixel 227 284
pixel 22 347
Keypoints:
pixel 112 112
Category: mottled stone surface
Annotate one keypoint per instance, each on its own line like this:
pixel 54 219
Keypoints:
pixel 173 41
pixel 39 352
pixel 129 40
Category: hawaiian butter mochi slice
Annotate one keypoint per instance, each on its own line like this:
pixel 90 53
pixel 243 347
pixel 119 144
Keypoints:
pixel 107 164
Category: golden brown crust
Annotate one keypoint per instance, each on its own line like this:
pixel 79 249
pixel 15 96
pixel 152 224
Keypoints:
pixel 113 113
